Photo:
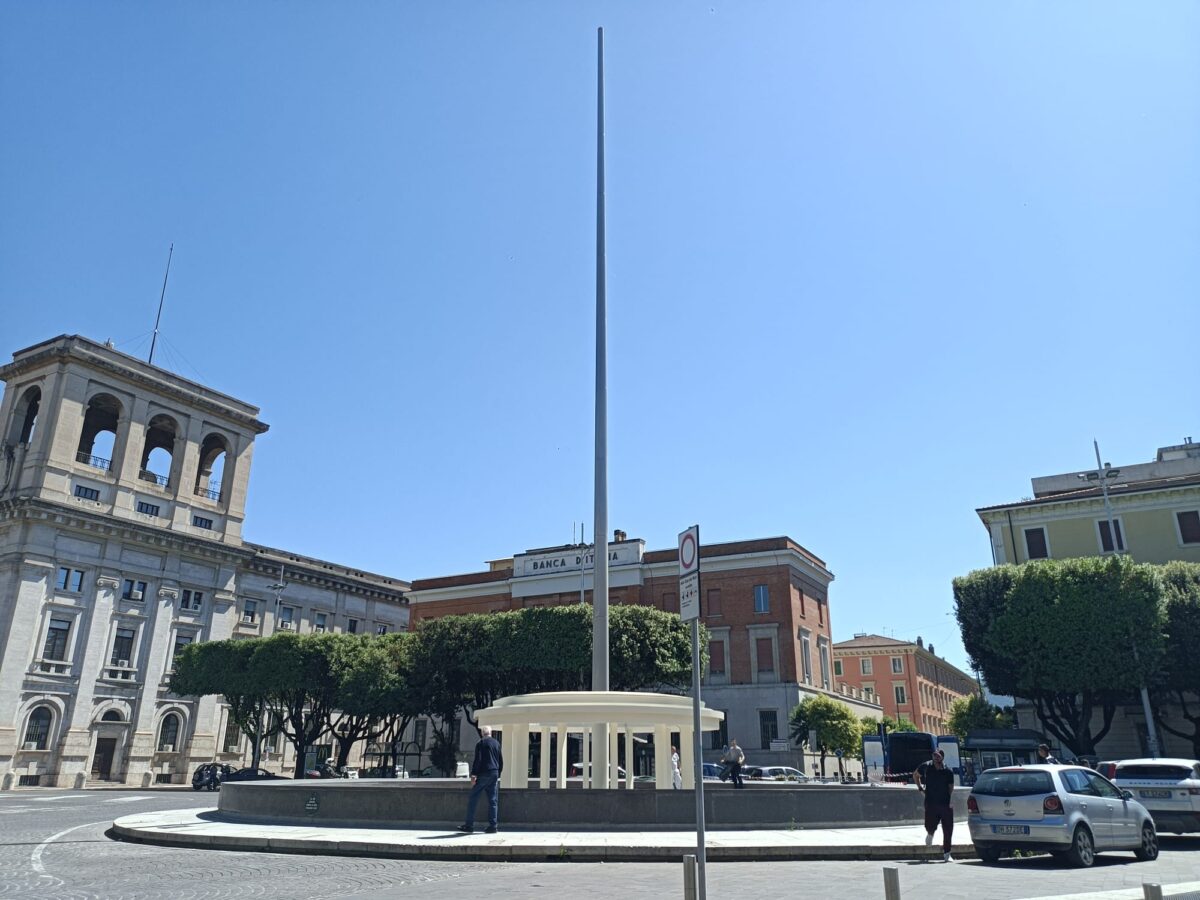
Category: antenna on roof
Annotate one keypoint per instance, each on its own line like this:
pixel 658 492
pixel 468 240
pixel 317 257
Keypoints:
pixel 161 297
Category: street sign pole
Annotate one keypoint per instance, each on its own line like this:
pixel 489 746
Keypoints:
pixel 689 609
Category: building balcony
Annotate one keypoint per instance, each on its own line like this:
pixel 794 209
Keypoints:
pixel 160 480
pixel 208 493
pixel 96 462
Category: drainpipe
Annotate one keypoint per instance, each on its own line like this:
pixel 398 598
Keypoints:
pixel 1012 534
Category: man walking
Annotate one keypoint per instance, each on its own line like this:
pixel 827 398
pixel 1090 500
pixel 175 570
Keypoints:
pixel 485 779
pixel 734 758
pixel 936 782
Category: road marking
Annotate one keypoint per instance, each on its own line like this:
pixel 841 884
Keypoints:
pixel 127 799
pixel 50 799
pixel 35 858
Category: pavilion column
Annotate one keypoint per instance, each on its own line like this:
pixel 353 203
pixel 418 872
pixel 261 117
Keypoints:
pixel 544 758
pixel 600 774
pixel 687 758
pixel 614 780
pixel 561 759
pixel 662 758
pixel 629 757
pixel 516 769
pixel 585 758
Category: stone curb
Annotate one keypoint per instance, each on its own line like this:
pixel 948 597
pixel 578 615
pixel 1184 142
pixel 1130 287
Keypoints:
pixel 496 849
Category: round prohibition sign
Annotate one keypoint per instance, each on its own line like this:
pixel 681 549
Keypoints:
pixel 687 551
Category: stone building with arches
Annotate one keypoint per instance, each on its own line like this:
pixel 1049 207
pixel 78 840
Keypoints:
pixel 122 501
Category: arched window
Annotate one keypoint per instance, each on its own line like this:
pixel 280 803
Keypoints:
pixel 168 733
pixel 113 715
pixel 99 434
pixel 158 454
pixel 37 730
pixel 210 477
pixel 25 417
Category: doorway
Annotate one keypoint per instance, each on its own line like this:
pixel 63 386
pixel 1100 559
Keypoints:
pixel 102 759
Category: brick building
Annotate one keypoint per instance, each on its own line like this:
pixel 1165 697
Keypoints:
pixel 907 678
pixel 765 605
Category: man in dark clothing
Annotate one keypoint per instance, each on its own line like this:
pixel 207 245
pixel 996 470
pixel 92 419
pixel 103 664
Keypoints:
pixel 1045 757
pixel 936 782
pixel 485 778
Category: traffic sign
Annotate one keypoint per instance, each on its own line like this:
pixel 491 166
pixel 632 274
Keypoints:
pixel 689 574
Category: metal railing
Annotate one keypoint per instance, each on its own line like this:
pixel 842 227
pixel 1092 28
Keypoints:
pixel 209 493
pixel 96 462
pixel 147 475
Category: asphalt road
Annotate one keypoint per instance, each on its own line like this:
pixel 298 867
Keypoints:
pixel 53 845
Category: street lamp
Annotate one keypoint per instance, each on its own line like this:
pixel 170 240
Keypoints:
pixel 1102 474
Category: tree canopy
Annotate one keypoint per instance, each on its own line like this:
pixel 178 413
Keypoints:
pixel 834 723
pixel 974 713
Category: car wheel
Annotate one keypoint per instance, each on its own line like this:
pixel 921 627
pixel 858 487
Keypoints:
pixel 1148 850
pixel 1083 850
pixel 196 787
pixel 987 854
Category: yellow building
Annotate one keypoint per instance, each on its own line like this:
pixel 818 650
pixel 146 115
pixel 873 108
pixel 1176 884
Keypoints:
pixel 1155 511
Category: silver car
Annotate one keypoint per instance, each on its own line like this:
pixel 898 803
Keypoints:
pixel 1169 788
pixel 1070 811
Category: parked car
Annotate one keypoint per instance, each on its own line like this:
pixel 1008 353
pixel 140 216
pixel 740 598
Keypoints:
pixel 576 771
pixel 1069 811
pixel 778 773
pixel 1108 768
pixel 712 771
pixel 251 774
pixel 210 775
pixel 1169 788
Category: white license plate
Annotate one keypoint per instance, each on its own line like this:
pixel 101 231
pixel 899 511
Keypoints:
pixel 1156 795
pixel 1010 829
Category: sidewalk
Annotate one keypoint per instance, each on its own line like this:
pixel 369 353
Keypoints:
pixel 200 828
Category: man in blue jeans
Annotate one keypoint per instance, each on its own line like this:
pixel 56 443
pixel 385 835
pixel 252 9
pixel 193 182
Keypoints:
pixel 485 778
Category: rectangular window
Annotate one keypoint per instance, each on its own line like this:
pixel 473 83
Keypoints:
pixel 768 727
pixel 1189 526
pixel 352 626
pixel 319 623
pixel 191 600
pixel 70 579
pixel 670 602
pixel 181 641
pixel 133 590
pixel 766 657
pixel 820 611
pixel 837 668
pixel 1035 544
pixel 287 617
pixel 420 733
pixel 122 654
pixel 865 665
pixel 762 599
pixel 56 639
pixel 1106 542
pixel 897 665
pixel 250 611
pixel 823 649
pixel 271 736
pixel 232 736
pixel 901 696
pixel 716 657
pixel 713 607
pixel 86 493
pixel 202 522
pixel 720 737
pixel 806 658
pixel 148 509
pixel 381 629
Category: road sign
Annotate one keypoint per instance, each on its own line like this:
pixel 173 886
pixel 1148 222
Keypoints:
pixel 689 574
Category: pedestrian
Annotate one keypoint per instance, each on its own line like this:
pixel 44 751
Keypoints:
pixel 936 782
pixel 1045 757
pixel 485 779
pixel 734 758
pixel 676 775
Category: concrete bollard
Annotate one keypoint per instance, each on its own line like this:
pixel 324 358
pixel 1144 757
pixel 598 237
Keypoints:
pixel 690 877
pixel 80 781
pixel 1152 891
pixel 891 883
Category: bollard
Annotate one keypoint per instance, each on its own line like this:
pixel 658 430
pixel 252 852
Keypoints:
pixel 690 870
pixel 1152 891
pixel 891 883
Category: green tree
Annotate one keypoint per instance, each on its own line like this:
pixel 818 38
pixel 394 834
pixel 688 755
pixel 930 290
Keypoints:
pixel 835 726
pixel 299 676
pixel 869 725
pixel 1180 676
pixel 366 676
pixel 973 713
pixel 226 668
pixel 1062 634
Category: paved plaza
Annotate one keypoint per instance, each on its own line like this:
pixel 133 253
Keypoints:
pixel 53 845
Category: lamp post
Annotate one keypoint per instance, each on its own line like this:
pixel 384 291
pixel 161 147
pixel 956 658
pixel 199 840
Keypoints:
pixel 1102 474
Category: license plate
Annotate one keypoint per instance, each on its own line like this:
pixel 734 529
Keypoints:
pixel 1156 795
pixel 1010 829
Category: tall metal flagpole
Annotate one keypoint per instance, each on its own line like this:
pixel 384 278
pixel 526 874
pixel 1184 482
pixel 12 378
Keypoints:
pixel 161 297
pixel 600 681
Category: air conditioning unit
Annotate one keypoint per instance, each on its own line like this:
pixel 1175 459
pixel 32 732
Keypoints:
pixel 123 663
pixel 167 748
pixel 248 618
pixel 31 745
pixel 135 595
pixel 286 626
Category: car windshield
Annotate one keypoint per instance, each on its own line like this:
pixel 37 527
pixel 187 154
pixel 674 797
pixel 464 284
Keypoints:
pixel 1014 784
pixel 1154 770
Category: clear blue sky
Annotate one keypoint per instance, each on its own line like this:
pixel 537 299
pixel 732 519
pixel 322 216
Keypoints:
pixel 871 265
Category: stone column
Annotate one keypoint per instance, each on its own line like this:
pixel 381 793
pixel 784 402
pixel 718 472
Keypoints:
pixel 662 758
pixel 30 584
pixel 613 737
pixel 687 758
pixel 544 758
pixel 629 757
pixel 585 760
pixel 561 759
